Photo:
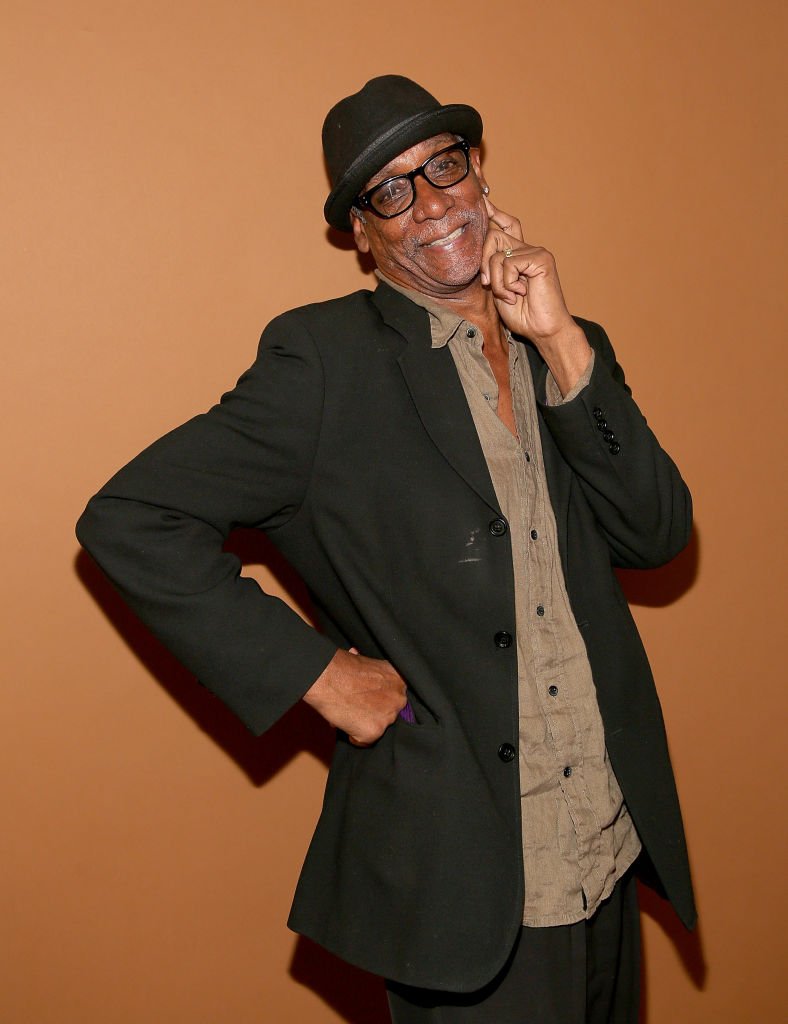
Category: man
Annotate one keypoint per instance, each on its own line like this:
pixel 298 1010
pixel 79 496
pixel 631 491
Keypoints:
pixel 453 464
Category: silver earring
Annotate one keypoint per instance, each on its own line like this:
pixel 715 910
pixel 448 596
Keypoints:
pixel 485 190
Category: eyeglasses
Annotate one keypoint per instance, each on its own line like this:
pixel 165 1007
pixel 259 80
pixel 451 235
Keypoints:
pixel 395 195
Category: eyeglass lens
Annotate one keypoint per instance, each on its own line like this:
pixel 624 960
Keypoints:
pixel 443 170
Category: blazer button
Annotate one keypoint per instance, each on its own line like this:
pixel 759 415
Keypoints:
pixel 601 424
pixel 608 435
pixel 506 752
pixel 503 639
pixel 498 527
pixel 597 412
pixel 615 447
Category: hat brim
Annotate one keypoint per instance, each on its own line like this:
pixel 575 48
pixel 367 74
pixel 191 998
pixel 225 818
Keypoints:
pixel 456 118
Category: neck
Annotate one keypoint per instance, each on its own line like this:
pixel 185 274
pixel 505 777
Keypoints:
pixel 473 303
pixel 476 304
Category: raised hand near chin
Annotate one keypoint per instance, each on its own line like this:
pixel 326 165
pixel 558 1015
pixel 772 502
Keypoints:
pixel 524 283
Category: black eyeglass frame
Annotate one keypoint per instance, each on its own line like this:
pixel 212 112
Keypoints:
pixel 364 201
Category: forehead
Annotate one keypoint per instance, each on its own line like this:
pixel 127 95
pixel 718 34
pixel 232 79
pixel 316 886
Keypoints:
pixel 413 157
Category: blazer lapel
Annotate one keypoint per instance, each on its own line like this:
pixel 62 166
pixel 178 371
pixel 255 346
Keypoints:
pixel 436 391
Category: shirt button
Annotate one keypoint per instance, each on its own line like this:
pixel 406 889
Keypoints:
pixel 540 610
pixel 471 332
pixel 498 527
pixel 527 456
pixel 503 639
pixel 567 772
pixel 534 534
pixel 553 691
pixel 506 752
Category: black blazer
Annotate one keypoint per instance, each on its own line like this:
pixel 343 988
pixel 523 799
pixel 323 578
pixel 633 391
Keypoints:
pixel 350 442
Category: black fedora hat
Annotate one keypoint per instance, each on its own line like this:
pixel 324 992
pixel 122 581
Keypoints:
pixel 366 130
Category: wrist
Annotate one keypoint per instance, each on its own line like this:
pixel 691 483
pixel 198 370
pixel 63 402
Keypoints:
pixel 567 354
pixel 323 688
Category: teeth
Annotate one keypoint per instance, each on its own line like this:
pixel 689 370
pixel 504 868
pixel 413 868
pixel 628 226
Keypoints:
pixel 447 238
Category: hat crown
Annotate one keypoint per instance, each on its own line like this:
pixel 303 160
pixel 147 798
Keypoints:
pixel 357 121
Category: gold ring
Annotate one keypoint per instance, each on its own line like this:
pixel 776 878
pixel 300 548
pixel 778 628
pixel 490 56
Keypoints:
pixel 507 253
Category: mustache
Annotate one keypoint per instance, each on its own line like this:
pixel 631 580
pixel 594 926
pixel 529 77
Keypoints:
pixel 457 219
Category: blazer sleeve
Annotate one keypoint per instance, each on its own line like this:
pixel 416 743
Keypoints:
pixel 157 529
pixel 640 501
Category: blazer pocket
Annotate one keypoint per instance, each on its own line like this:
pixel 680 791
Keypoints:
pixel 416 713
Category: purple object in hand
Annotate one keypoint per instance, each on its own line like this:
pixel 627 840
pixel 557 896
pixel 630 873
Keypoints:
pixel 407 714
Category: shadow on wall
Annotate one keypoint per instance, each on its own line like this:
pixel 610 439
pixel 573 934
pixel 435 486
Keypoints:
pixel 344 241
pixel 358 997
pixel 300 729
pixel 689 945
pixel 656 588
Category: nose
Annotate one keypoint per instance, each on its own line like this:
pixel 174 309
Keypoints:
pixel 431 203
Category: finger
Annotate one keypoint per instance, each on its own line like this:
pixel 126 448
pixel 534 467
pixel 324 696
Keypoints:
pixel 495 241
pixel 513 279
pixel 353 650
pixel 511 225
pixel 498 285
pixel 510 282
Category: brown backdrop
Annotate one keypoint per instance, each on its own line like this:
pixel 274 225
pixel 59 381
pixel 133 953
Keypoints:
pixel 163 200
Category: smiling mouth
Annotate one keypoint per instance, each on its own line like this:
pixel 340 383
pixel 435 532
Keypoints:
pixel 447 239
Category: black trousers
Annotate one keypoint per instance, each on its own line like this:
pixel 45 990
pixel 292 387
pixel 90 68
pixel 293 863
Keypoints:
pixel 584 973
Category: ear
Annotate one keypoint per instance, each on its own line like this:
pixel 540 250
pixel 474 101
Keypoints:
pixel 359 233
pixel 476 164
